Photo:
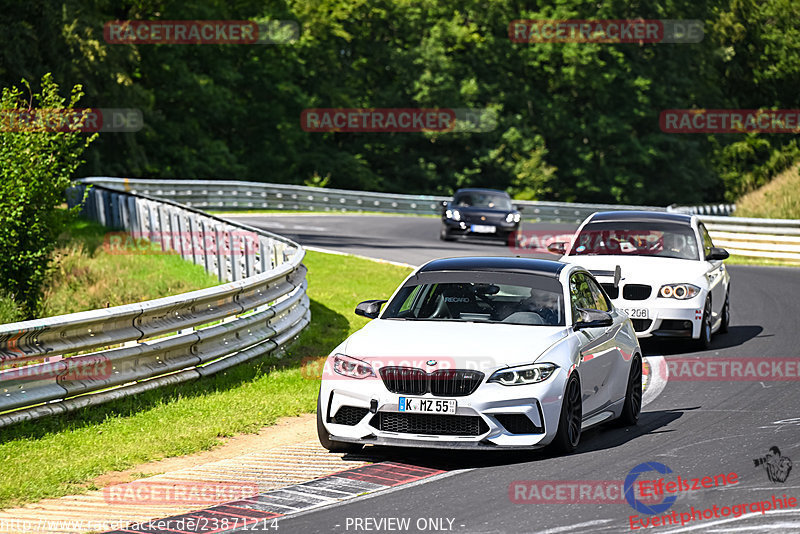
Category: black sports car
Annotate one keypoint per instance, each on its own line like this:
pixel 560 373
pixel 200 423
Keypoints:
pixel 480 212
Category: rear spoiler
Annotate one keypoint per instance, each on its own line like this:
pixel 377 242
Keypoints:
pixel 616 274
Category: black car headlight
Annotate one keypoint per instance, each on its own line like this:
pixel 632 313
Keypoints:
pixel 453 214
pixel 526 374
pixel 678 291
pixel 352 367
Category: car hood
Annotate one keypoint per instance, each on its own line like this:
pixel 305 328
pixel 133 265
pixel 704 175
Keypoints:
pixel 455 345
pixel 646 269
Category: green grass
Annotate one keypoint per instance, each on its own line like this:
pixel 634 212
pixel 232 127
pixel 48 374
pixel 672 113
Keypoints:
pixel 60 455
pixel 88 275
pixel 10 311
pixel 747 260
pixel 779 199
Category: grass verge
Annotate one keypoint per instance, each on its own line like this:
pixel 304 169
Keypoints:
pixel 747 260
pixel 779 199
pixel 86 276
pixel 60 455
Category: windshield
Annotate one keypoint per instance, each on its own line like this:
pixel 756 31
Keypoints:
pixel 483 200
pixel 494 298
pixel 666 240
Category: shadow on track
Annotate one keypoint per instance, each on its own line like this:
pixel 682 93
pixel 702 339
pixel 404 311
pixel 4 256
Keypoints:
pixel 736 336
pixel 599 438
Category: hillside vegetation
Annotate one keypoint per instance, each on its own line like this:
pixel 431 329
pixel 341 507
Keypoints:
pixel 779 199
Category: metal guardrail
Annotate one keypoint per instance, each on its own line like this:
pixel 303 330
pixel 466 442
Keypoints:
pixel 225 195
pixel 708 209
pixel 58 364
pixel 761 238
pixel 232 195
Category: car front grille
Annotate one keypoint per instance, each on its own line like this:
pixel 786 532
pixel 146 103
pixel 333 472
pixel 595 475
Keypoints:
pixel 349 415
pixel 433 424
pixel 441 383
pixel 613 292
pixel 640 325
pixel 518 423
pixel 636 292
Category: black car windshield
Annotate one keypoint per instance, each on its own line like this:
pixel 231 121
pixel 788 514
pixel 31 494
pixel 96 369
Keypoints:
pixel 478 199
pixel 665 240
pixel 485 297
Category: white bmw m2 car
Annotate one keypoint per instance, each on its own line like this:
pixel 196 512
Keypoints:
pixel 672 279
pixel 483 353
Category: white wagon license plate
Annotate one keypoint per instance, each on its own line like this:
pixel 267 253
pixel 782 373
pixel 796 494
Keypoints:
pixel 483 229
pixel 411 404
pixel 636 313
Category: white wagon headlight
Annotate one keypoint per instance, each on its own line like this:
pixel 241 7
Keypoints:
pixel 528 374
pixel 352 367
pixel 678 291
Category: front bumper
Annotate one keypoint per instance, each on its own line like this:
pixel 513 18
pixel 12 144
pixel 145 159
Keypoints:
pixel 666 317
pixel 462 228
pixel 539 403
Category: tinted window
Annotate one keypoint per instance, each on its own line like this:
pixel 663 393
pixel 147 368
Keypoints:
pixel 492 298
pixel 707 243
pixel 630 238
pixel 475 199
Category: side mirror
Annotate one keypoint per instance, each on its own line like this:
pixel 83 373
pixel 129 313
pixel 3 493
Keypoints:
pixel 445 203
pixel 519 208
pixel 717 253
pixel 592 319
pixel 557 247
pixel 369 308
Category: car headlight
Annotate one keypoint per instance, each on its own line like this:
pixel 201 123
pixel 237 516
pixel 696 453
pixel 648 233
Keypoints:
pixel 528 374
pixel 453 214
pixel 352 367
pixel 678 291
pixel 512 217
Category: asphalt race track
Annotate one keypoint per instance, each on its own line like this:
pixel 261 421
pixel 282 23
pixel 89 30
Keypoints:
pixel 698 428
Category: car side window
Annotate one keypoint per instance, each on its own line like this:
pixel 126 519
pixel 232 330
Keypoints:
pixel 580 293
pixel 600 301
pixel 707 243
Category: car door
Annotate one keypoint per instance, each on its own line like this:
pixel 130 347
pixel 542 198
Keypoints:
pixel 715 275
pixel 598 351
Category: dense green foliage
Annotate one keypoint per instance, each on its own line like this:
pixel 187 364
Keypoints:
pixel 36 166
pixel 576 121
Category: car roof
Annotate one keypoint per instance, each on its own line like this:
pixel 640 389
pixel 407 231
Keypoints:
pixel 481 190
pixel 550 268
pixel 649 216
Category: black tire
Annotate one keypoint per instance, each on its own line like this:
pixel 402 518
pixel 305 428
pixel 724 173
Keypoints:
pixel 705 327
pixel 633 395
pixel 726 314
pixel 568 434
pixel 325 438
pixel 445 235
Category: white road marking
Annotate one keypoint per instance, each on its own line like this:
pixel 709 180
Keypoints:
pixel 659 375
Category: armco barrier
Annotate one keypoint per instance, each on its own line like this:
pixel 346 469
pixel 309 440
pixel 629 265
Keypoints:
pixel 124 350
pixel 765 238
pixel 231 195
pixel 762 238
